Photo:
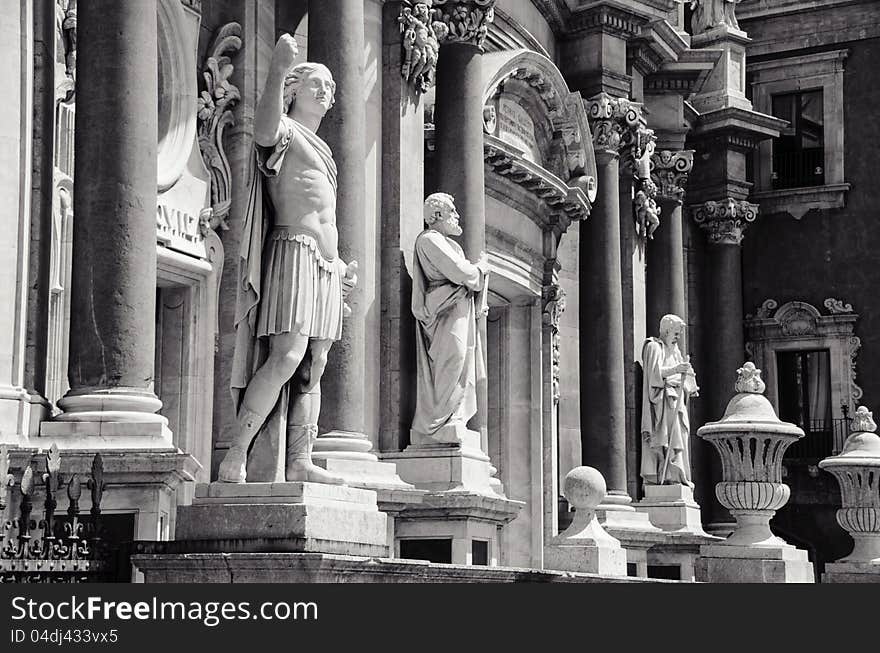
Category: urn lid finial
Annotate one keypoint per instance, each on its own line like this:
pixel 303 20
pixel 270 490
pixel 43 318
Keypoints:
pixel 749 379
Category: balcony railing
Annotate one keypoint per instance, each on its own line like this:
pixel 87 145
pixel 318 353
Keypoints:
pixel 822 438
pixel 798 168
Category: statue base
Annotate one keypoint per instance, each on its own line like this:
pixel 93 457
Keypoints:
pixel 283 517
pixel 852 572
pixel 734 563
pixel 585 547
pixel 451 460
pixel 672 508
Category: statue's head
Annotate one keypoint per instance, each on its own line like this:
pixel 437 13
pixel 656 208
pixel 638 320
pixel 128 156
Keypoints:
pixel 441 214
pixel 310 85
pixel 671 328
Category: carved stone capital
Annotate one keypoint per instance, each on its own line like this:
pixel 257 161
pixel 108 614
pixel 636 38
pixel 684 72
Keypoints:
pixel 616 124
pixel 669 171
pixel 421 31
pixel 464 21
pixel 726 220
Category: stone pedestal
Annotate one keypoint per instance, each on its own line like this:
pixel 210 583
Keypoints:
pixel 726 84
pixel 672 508
pixel 585 546
pixel 726 563
pixel 284 517
pixel 448 465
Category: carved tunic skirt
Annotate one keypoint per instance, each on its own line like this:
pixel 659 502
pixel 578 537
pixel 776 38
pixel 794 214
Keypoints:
pixel 302 290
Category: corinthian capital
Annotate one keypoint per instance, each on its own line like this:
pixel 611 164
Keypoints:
pixel 466 21
pixel 670 170
pixel 726 220
pixel 616 124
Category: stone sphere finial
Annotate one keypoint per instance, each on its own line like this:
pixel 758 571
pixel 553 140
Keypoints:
pixel 749 379
pixel 863 421
pixel 584 488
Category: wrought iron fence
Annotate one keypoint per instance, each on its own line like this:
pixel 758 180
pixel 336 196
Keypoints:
pixel 798 168
pixel 57 548
pixel 822 438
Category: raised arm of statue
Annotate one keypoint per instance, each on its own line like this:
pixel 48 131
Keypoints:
pixel 268 129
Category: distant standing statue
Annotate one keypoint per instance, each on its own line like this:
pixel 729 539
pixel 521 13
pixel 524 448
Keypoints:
pixel 448 354
pixel 709 14
pixel 669 382
pixel 292 283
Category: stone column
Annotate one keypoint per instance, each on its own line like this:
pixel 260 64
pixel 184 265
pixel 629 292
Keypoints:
pixel 112 332
pixel 458 117
pixel 603 431
pixel 666 273
pixel 724 222
pixel 336 39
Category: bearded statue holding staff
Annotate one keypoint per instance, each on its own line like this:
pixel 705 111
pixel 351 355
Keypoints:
pixel 292 283
pixel 448 352
pixel 669 383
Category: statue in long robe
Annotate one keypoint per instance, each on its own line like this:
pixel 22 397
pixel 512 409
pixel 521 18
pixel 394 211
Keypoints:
pixel 709 14
pixel 668 384
pixel 448 351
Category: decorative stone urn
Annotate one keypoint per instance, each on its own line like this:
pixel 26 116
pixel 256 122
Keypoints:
pixel 751 441
pixel 857 470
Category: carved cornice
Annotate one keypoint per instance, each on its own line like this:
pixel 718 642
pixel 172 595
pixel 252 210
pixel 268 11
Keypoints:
pixel 615 123
pixel 420 32
pixel 726 220
pixel 466 21
pixel 669 171
pixel 215 106
pixel 564 202
pixel 670 82
pixel 607 19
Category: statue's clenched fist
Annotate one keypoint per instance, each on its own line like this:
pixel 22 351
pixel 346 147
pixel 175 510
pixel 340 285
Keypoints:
pixel 286 52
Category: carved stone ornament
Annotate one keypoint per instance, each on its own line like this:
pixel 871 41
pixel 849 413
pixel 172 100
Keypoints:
pixel 215 106
pixel 614 122
pixel 554 305
pixel 749 379
pixel 647 214
pixel 422 32
pixel 726 220
pixel 837 307
pixel 466 21
pixel 669 171
pixel 65 49
pixel 490 119
pixel 709 14
pixel 863 421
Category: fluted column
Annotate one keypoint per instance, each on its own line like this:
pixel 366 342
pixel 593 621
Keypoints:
pixel 724 222
pixel 458 116
pixel 112 331
pixel 666 274
pixel 336 39
pixel 603 417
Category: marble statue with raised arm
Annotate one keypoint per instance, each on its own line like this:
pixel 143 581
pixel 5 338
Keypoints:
pixel 292 282
pixel 668 384
pixel 448 353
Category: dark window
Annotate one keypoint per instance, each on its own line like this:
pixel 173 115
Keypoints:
pixel 432 550
pixel 799 152
pixel 805 400
pixel 479 552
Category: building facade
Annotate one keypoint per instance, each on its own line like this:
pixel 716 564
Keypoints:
pixel 618 161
